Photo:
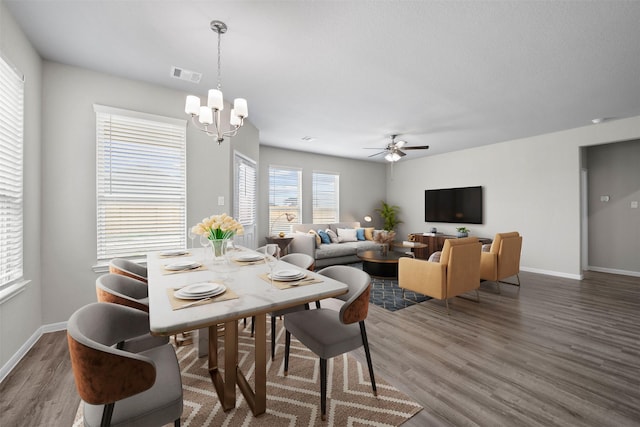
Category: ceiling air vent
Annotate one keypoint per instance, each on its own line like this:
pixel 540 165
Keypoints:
pixel 187 75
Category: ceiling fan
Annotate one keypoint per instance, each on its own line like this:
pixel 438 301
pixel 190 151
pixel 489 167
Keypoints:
pixel 393 151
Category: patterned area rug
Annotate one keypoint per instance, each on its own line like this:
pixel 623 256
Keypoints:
pixel 387 294
pixel 293 400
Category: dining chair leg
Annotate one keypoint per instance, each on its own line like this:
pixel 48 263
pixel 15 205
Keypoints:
pixel 107 413
pixel 287 346
pixel 323 389
pixel 176 423
pixel 273 336
pixel 365 344
pixel 318 304
pixel 253 325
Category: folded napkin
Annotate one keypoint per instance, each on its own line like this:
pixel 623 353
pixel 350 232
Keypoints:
pixel 307 280
pixel 174 256
pixel 177 303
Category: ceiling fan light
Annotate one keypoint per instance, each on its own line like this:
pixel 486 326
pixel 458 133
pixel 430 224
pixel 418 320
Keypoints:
pixel 401 143
pixel 388 157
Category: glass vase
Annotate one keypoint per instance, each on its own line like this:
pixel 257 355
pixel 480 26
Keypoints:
pixel 219 250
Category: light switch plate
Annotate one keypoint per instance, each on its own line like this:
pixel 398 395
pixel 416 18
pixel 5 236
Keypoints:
pixel 220 200
pixel 634 205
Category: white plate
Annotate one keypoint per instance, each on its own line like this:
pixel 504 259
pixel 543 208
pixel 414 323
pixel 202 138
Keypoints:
pixel 248 257
pixel 219 289
pixel 182 265
pixel 200 288
pixel 178 252
pixel 288 278
pixel 287 273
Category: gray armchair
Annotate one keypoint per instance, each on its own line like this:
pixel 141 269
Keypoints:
pixel 119 387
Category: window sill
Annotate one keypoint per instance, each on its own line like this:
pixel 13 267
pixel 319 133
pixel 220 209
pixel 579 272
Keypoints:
pixel 11 291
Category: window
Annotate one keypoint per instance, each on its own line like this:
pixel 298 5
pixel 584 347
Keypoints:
pixel 11 177
pixel 244 182
pixel 326 197
pixel 141 183
pixel 285 196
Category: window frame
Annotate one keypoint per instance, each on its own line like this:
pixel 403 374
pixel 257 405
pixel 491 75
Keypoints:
pixel 12 82
pixel 151 154
pixel 277 221
pixel 325 219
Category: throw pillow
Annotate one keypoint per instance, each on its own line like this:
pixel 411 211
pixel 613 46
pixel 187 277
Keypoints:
pixel 318 239
pixel 324 237
pixel 360 233
pixel 435 257
pixel 368 233
pixel 332 235
pixel 347 235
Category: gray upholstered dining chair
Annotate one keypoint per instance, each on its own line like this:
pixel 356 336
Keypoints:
pixel 120 387
pixel 329 333
pixel 129 268
pixel 124 290
pixel 300 260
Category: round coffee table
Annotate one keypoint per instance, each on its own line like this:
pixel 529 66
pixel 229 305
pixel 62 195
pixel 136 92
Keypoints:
pixel 380 264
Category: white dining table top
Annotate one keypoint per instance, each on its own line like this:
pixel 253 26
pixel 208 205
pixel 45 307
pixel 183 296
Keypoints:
pixel 255 295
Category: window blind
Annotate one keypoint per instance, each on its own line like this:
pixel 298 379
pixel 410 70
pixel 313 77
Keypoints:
pixel 326 197
pixel 11 174
pixel 285 196
pixel 141 183
pixel 244 206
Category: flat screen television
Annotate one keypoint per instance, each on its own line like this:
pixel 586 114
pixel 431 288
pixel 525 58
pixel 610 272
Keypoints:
pixel 457 205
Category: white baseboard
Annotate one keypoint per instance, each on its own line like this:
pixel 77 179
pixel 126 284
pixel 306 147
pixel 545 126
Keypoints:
pixel 614 271
pixel 553 273
pixel 22 351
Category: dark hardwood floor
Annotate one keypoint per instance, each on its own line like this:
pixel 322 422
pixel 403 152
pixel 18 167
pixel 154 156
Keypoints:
pixel 556 352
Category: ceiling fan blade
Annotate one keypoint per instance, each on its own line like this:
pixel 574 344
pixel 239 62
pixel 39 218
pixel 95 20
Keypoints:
pixel 401 153
pixel 377 154
pixel 417 147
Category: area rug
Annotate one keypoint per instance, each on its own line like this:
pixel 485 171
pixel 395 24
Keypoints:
pixel 387 294
pixel 293 400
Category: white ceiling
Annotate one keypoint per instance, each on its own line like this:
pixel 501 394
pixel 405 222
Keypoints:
pixel 448 74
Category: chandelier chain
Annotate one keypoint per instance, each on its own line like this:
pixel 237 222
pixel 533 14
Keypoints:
pixel 219 66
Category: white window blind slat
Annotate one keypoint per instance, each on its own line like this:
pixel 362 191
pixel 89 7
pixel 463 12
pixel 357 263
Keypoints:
pixel 11 174
pixel 285 196
pixel 141 183
pixel 326 197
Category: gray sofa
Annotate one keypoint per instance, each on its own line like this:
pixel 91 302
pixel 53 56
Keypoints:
pixel 327 254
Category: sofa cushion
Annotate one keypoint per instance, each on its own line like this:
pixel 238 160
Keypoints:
pixel 333 250
pixel 332 235
pixel 324 237
pixel 368 233
pixel 347 235
pixel 360 233
pixel 317 236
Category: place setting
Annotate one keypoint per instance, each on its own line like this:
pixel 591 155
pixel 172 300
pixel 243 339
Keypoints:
pixel 182 267
pixel 174 253
pixel 289 278
pixel 248 258
pixel 199 294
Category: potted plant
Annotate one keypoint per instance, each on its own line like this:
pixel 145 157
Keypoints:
pixel 462 231
pixel 389 214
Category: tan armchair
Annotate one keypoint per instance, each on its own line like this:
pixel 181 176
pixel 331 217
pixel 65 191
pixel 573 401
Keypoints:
pixel 457 272
pixel 503 259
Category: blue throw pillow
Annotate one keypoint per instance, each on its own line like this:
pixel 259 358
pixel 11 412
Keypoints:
pixel 360 234
pixel 324 236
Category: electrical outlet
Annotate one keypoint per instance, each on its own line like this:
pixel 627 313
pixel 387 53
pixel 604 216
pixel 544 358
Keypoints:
pixel 634 205
pixel 220 200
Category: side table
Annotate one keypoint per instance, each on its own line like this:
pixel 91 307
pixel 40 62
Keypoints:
pixel 282 242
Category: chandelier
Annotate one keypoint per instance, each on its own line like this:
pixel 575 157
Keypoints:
pixel 209 115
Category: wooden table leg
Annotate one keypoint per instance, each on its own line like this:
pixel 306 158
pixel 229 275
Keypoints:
pixel 225 388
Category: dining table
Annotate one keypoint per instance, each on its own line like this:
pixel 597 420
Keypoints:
pixel 249 292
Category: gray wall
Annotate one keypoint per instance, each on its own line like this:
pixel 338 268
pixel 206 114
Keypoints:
pixel 614 226
pixel 362 184
pixel 531 185
pixel 21 316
